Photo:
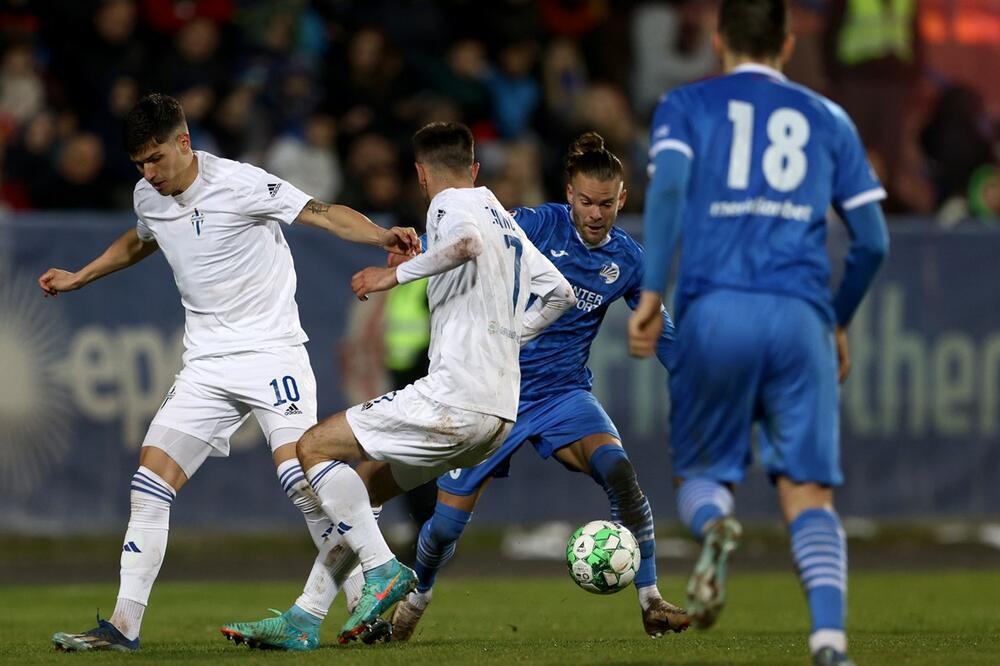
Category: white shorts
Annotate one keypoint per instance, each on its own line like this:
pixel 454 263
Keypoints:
pixel 421 438
pixel 212 396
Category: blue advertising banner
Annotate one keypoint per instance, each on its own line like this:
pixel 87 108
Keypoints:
pixel 81 376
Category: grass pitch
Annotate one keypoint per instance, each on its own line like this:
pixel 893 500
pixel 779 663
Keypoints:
pixel 895 618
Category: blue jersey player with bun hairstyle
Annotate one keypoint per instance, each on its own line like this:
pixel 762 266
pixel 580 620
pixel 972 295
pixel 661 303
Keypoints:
pixel 558 415
pixel 744 168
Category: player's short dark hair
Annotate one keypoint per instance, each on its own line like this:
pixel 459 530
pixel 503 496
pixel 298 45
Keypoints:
pixel 155 117
pixel 588 156
pixel 446 145
pixel 755 28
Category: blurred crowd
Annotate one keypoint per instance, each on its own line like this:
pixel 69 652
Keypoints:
pixel 326 93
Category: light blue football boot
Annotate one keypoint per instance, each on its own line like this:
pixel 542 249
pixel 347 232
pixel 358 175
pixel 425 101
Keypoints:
pixel 274 633
pixel 384 586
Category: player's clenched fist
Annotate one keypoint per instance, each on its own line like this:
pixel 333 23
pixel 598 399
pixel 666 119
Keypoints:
pixel 55 280
pixel 373 279
pixel 401 240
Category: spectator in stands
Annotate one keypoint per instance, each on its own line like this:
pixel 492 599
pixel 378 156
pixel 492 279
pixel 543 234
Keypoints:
pixel 515 91
pixel 956 141
pixel 307 158
pixel 671 46
pixel 873 56
pixel 22 94
pixel 78 181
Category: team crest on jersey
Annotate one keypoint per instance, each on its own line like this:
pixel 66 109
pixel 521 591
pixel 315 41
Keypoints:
pixel 272 189
pixel 197 217
pixel 610 272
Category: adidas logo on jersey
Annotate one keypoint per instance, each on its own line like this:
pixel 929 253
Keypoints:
pixel 610 272
pixel 558 253
pixel 130 547
pixel 440 214
pixel 292 409
pixel 272 188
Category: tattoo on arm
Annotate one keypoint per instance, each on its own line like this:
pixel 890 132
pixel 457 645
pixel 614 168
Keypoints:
pixel 317 207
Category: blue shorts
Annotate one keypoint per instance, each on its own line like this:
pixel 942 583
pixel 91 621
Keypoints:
pixel 745 358
pixel 549 424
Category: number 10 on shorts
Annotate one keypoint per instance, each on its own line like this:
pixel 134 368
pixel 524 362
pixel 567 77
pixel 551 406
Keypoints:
pixel 290 387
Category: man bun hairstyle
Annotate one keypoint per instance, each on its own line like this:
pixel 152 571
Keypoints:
pixel 448 146
pixel 155 117
pixel 588 156
pixel 755 28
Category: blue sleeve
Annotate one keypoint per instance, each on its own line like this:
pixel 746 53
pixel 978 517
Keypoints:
pixel 670 156
pixel 664 215
pixel 869 245
pixel 531 220
pixel 665 345
pixel 423 242
pixel 671 127
pixel 855 182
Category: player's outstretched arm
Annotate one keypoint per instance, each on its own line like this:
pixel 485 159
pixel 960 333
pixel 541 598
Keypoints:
pixel 127 250
pixel 464 244
pixel 351 225
pixel 554 292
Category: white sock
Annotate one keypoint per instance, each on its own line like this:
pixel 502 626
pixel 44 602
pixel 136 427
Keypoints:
pixel 143 550
pixel 334 569
pixel 128 617
pixel 352 588
pixel 822 638
pixel 332 566
pixel 293 482
pixel 647 595
pixel 345 500
pixel 420 599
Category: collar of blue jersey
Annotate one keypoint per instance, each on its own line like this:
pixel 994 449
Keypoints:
pixel 607 239
pixel 757 68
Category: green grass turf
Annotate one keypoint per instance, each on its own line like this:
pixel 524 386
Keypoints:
pixel 895 618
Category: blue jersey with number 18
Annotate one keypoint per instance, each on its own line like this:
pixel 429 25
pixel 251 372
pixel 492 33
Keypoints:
pixel 769 157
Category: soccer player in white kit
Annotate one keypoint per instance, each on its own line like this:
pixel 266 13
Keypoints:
pixel 219 224
pixel 482 269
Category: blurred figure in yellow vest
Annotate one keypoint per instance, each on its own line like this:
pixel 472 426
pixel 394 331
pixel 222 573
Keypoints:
pixel 873 57
pixel 406 332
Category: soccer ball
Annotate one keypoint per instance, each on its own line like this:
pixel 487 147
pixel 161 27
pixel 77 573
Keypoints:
pixel 602 557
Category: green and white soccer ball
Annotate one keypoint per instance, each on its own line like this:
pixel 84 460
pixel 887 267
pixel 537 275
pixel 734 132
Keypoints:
pixel 602 557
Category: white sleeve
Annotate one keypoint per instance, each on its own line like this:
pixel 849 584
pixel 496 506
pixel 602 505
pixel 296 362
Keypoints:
pixel 271 198
pixel 554 292
pixel 462 242
pixel 143 231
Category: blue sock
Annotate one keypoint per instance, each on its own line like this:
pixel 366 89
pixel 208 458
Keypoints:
pixel 438 538
pixel 701 500
pixel 819 548
pixel 303 619
pixel 610 467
